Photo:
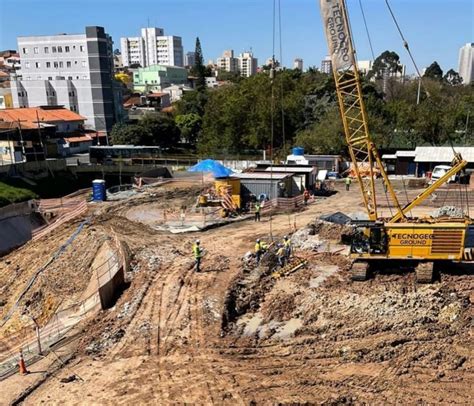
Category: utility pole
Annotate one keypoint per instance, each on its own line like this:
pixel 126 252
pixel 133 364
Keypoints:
pixel 21 141
pixel 419 91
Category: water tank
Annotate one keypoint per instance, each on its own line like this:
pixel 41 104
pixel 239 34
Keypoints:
pixel 298 151
pixel 98 190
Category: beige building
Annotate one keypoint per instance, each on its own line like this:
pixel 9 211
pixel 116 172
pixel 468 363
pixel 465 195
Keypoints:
pixel 227 62
pixel 247 64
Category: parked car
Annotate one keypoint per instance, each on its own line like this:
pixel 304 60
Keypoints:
pixel 439 171
pixel 333 175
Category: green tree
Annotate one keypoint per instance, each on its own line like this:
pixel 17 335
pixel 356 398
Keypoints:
pixel 387 63
pixel 190 126
pixel 434 72
pixel 199 70
pixel 325 136
pixel 127 134
pixel 452 78
pixel 160 129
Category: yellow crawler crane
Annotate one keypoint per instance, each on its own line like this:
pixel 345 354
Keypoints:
pixel 421 241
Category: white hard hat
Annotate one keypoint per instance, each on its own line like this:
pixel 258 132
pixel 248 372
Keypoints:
pixel 258 239
pixel 197 241
pixel 285 237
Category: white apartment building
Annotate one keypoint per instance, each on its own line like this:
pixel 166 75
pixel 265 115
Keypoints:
pixel 247 64
pixel 298 64
pixel 466 63
pixel 227 62
pixel 153 47
pixel 72 70
pixel 326 65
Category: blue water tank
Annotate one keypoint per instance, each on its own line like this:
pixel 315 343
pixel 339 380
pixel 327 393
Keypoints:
pixel 98 190
pixel 298 151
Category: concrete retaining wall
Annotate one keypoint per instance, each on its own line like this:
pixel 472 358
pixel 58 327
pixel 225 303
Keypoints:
pixel 14 232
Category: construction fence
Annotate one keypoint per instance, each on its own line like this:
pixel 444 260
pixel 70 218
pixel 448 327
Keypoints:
pixel 55 333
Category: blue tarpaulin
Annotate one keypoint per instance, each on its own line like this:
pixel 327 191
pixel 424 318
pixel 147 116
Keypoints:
pixel 209 165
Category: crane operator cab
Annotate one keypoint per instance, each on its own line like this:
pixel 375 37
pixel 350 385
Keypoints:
pixel 370 240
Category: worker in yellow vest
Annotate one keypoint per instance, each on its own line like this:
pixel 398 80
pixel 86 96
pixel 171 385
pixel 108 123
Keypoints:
pixel 257 211
pixel 287 246
pixel 197 252
pixel 260 249
pixel 281 254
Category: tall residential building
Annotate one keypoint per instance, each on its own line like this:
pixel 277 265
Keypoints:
pixel 73 70
pixel 247 64
pixel 190 59
pixel 153 47
pixel 326 65
pixel 298 64
pixel 227 62
pixel 466 63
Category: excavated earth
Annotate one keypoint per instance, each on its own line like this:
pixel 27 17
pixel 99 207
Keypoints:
pixel 239 334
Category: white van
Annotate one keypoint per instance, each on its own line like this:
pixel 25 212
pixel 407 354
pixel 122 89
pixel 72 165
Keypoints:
pixel 439 171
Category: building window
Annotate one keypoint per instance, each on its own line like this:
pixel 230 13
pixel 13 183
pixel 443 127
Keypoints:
pixel 38 64
pixel 84 64
pixel 53 49
pixel 77 77
pixel 73 47
pixel 27 65
pixel 25 50
pixel 66 49
pixel 46 50
pixel 60 49
pixel 35 50
pixel 68 64
pixel 55 65
pixel 19 94
pixel 81 48
pixel 50 78
pixel 48 64
pixel 69 78
pixel 61 64
pixel 75 62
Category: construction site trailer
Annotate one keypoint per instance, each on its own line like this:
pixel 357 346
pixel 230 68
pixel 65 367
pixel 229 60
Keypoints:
pixel 271 185
pixel 222 185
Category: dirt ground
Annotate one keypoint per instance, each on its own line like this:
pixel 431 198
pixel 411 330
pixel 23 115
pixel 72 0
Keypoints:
pixel 235 334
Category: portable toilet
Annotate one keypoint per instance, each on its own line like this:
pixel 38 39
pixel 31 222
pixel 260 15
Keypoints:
pixel 98 190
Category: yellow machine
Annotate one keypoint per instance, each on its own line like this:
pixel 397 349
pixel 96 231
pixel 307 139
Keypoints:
pixel 418 240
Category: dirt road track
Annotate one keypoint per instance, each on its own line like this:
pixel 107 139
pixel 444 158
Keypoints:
pixel 167 345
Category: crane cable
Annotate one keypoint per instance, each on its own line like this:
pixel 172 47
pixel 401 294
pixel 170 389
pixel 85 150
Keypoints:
pixel 405 42
pixel 367 30
pixel 272 110
pixel 281 81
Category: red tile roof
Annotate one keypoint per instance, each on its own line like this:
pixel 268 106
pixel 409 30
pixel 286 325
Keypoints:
pixel 28 117
pixel 83 138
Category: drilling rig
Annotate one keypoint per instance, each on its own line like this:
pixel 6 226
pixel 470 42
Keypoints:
pixel 421 242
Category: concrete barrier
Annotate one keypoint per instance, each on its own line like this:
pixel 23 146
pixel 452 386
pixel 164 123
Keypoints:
pixel 14 232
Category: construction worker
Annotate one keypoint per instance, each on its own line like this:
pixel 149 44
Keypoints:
pixel 197 251
pixel 305 196
pixel 281 254
pixel 260 249
pixel 287 246
pixel 257 211
pixel 348 183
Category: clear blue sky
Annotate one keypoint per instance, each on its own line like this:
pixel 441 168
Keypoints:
pixel 435 29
